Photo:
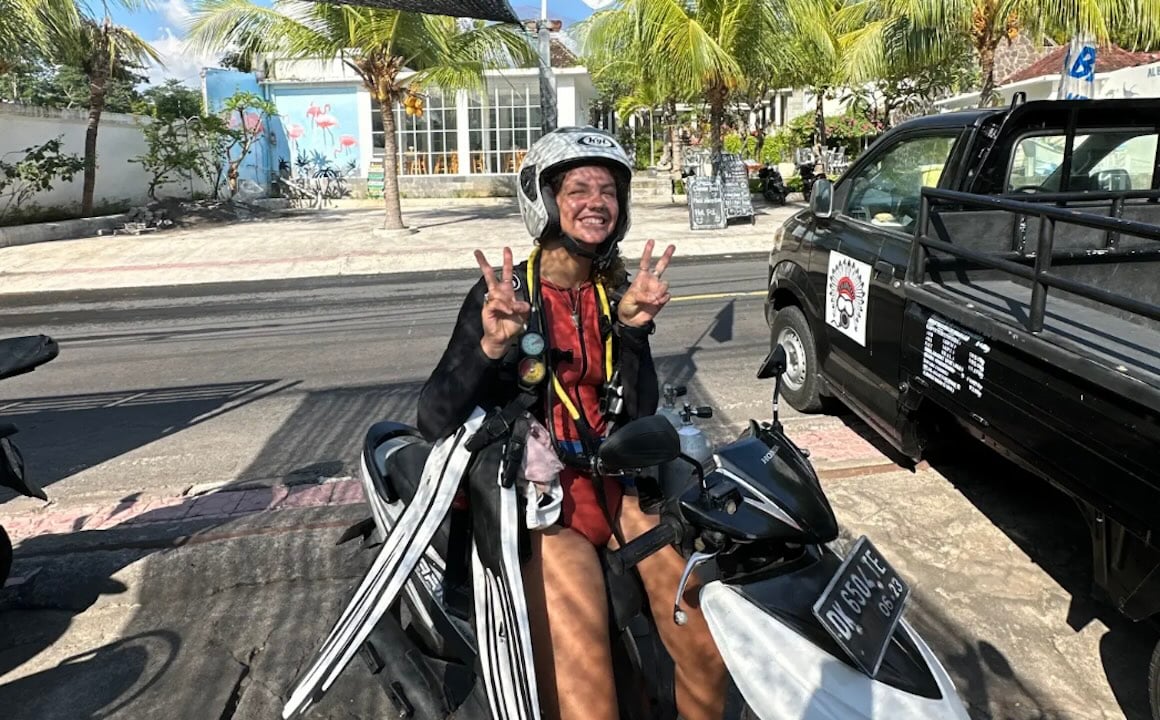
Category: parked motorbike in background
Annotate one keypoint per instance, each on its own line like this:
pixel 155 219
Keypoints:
pixel 804 632
pixel 773 187
pixel 809 175
pixel 18 356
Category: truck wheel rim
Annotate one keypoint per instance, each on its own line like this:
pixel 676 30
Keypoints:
pixel 795 359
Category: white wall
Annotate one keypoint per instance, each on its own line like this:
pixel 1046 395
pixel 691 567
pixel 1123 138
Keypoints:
pixel 566 101
pixel 119 139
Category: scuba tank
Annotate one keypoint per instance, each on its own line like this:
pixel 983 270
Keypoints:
pixel 694 443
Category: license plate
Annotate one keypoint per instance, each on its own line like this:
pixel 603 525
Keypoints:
pixel 862 605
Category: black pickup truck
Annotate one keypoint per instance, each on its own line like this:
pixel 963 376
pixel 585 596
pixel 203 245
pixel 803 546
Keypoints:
pixel 999 269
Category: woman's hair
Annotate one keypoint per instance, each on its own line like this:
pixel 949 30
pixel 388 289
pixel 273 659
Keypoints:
pixel 614 274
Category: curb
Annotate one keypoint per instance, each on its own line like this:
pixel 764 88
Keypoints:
pixel 16 235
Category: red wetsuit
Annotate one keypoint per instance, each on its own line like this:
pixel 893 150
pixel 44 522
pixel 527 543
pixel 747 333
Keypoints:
pixel 573 319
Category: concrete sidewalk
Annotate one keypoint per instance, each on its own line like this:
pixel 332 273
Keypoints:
pixel 340 242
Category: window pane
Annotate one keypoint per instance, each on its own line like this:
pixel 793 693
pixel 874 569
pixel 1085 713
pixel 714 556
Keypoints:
pixel 887 192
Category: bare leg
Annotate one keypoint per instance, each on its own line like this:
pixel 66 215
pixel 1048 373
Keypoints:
pixel 700 672
pixel 569 618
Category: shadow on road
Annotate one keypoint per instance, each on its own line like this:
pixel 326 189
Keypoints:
pixel 63 435
pixel 1047 526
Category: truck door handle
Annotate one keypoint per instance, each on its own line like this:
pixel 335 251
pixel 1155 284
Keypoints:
pixel 883 271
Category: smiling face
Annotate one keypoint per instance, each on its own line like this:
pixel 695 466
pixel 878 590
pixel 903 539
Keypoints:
pixel 588 204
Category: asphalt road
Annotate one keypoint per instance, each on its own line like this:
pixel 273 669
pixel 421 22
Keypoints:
pixel 160 389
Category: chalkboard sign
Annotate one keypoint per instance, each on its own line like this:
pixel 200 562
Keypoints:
pixel 735 178
pixel 706 203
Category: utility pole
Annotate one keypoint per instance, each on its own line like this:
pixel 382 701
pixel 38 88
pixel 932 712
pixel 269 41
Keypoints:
pixel 544 27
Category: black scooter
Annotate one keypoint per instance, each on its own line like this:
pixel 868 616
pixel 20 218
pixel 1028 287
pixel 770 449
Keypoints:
pixel 773 187
pixel 797 640
pixel 18 356
pixel 809 175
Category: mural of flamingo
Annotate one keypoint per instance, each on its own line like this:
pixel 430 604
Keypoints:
pixel 326 121
pixel 314 111
pixel 294 131
pixel 346 143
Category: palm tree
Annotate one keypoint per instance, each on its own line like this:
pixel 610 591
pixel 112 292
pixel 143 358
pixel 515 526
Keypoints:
pixel 927 23
pixel 379 45
pixel 811 52
pixel 26 29
pixel 102 49
pixel 706 49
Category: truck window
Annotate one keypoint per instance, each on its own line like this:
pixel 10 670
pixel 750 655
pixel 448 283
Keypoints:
pixel 887 192
pixel 1115 160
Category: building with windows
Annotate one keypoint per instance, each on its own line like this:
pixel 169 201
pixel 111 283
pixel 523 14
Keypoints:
pixel 465 142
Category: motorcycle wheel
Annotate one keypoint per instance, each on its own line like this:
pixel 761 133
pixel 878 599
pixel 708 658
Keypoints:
pixel 5 556
pixel 773 196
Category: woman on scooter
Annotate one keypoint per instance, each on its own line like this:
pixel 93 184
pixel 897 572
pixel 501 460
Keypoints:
pixel 573 191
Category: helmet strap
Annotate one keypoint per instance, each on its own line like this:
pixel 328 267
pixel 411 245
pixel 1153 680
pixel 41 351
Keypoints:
pixel 601 257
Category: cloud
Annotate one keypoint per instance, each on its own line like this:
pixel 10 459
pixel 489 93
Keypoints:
pixel 179 61
pixel 175 12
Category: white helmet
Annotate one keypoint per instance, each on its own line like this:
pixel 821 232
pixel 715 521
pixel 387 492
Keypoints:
pixel 555 153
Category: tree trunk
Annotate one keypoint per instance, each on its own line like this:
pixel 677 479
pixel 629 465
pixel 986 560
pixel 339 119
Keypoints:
pixel 393 219
pixel 97 89
pixel 987 68
pixel 820 126
pixel 717 96
pixel 674 134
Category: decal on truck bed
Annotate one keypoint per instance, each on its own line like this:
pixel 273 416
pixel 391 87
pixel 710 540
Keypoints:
pixel 946 364
pixel 847 291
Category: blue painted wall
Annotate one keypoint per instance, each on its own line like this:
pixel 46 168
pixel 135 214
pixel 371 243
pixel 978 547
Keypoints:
pixel 319 129
pixel 220 84
pixel 316 132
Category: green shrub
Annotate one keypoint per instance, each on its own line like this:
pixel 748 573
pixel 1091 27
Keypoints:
pixel 731 143
pixel 794 183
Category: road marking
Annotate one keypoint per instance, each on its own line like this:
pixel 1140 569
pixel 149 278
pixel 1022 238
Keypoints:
pixel 716 296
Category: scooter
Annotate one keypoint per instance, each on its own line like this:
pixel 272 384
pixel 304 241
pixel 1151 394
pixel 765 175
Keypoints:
pixel 804 632
pixel 773 187
pixel 18 356
pixel 809 176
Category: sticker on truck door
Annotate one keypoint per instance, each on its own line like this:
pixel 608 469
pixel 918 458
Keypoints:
pixel 847 291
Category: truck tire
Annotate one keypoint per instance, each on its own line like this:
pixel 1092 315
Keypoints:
pixel 799 385
pixel 1154 682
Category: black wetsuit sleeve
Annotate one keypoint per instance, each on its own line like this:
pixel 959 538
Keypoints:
pixel 637 372
pixel 465 376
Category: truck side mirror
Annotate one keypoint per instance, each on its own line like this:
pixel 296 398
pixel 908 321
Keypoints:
pixel 822 199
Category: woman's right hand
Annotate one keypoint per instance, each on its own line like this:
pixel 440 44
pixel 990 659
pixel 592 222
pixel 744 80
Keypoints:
pixel 504 317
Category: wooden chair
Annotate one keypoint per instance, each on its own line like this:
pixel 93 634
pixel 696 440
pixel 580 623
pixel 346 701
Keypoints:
pixel 477 165
pixel 455 164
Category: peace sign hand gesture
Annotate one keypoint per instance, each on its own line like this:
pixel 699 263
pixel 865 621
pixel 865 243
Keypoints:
pixel 504 317
pixel 648 293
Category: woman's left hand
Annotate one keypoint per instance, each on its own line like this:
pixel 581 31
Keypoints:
pixel 648 293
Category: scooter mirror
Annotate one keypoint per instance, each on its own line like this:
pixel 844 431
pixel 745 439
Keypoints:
pixel 644 442
pixel 773 364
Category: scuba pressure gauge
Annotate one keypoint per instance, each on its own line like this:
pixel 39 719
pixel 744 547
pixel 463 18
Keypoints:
pixel 532 369
pixel 532 344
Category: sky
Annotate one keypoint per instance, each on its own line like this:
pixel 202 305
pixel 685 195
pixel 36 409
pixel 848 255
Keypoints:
pixel 163 27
